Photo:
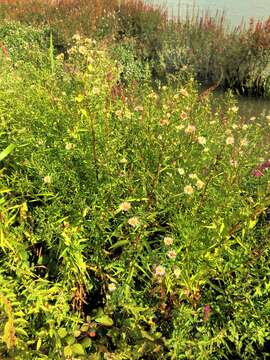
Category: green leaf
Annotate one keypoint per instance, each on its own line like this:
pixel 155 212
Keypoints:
pixel 2 191
pixel 84 327
pixel 6 151
pixel 70 340
pixel 39 343
pixel 147 336
pixel 86 342
pixel 77 333
pixel 68 351
pixel 77 349
pixel 104 320
pixel 62 332
pixel 252 224
pixel 20 331
pixel 119 244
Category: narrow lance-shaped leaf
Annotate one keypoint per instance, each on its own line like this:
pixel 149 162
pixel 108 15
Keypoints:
pixel 6 151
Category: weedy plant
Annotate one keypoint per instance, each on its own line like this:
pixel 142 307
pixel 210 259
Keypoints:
pixel 132 224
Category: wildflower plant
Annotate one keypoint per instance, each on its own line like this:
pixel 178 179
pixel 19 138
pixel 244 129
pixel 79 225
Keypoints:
pixel 109 249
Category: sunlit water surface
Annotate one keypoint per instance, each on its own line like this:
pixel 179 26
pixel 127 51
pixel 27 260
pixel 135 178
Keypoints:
pixel 235 10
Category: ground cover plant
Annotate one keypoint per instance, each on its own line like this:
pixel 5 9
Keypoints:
pixel 134 221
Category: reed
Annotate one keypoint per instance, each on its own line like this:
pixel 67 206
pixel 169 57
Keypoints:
pixel 235 57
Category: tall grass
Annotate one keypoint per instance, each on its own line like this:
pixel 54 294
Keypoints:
pixel 67 16
pixel 235 58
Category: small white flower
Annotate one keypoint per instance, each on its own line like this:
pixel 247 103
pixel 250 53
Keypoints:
pixel 201 140
pixel 171 254
pixel 60 57
pixel 125 206
pixel 47 179
pixel 179 127
pixel 230 140
pixel 118 113
pixel 82 50
pixel 177 272
pixel 193 176
pixel 200 184
pixel 190 129
pixel 168 241
pixel 243 142
pixel 69 146
pixel 188 190
pixel 160 270
pixel 153 96
pixel 72 50
pixel 234 109
pixel 76 37
pixel 111 287
pixel 181 171
pixel 134 221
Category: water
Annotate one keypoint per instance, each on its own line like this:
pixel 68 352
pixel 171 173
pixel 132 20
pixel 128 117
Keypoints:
pixel 249 107
pixel 235 10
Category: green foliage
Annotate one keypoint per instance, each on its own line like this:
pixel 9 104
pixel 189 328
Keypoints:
pixel 233 58
pixel 131 223
pixel 23 42
pixel 145 23
pixel 134 69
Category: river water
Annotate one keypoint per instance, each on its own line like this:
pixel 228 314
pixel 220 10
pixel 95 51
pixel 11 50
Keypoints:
pixel 235 12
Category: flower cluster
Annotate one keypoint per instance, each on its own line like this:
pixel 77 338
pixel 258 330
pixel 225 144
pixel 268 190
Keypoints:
pixel 261 168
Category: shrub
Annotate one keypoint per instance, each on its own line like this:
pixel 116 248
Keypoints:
pixel 133 68
pixel 22 42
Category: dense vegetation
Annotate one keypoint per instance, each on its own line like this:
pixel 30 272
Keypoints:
pixel 134 219
pixel 236 58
